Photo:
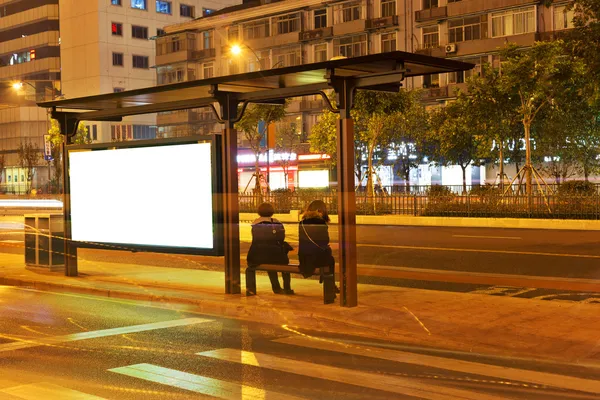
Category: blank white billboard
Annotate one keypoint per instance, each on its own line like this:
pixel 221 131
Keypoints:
pixel 151 196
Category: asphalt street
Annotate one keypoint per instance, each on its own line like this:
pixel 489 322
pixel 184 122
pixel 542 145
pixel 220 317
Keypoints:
pixel 386 252
pixel 67 346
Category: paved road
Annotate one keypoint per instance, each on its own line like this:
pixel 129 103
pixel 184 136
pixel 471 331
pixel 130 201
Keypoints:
pixel 65 346
pixel 386 253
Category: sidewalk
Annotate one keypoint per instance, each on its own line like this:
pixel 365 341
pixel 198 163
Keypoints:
pixel 455 321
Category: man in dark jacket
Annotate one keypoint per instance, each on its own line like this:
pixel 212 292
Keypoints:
pixel 269 247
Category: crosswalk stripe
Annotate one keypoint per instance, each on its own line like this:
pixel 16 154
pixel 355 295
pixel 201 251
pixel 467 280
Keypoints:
pixel 28 343
pixel 392 384
pixel 541 378
pixel 47 391
pixel 199 384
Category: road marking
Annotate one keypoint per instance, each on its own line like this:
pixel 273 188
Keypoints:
pixel 527 253
pixel 47 391
pixel 29 343
pixel 386 383
pixel 487 237
pixel 199 384
pixel 540 378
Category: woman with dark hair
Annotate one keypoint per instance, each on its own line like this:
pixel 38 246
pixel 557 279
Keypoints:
pixel 314 250
pixel 269 247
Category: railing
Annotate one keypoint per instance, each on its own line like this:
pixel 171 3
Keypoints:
pixel 450 201
pixel 431 13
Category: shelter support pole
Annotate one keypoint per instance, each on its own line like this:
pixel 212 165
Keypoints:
pixel 230 204
pixel 346 195
pixel 68 128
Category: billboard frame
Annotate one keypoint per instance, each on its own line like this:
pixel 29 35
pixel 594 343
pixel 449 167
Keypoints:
pixel 216 179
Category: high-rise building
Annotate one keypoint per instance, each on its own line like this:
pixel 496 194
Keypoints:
pixel 29 72
pixel 109 46
pixel 271 34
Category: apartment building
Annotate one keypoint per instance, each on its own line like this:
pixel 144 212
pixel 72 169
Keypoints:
pixel 273 34
pixel 29 54
pixel 109 46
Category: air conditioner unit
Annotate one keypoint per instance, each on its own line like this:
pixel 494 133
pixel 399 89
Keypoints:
pixel 451 48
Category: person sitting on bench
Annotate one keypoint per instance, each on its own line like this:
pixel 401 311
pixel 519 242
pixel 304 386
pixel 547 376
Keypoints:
pixel 313 249
pixel 269 247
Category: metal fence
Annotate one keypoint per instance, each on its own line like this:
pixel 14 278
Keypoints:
pixel 450 204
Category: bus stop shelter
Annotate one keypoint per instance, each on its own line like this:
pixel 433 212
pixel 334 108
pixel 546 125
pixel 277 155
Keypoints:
pixel 228 97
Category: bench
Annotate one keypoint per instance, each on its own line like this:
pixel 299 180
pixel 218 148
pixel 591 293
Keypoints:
pixel 327 275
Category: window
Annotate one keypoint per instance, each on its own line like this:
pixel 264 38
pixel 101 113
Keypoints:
pixel 427 4
pixel 144 132
pixel 163 7
pixel 388 41
pixel 464 29
pixel 388 8
pixel 139 32
pixel 207 70
pixel 94 132
pixel 259 62
pixel 186 11
pixel 233 34
pixel 462 76
pixel 117 59
pixel 139 4
pixel 431 81
pixel 140 62
pixel 350 46
pixel 320 18
pixel 431 37
pixel 115 2
pixel 207 11
pixel 563 19
pixel 118 90
pixel 116 29
pixel 286 23
pixel 346 12
pixel 256 29
pixel 207 40
pixel 513 22
pixel 320 52
pixel 160 32
pixel 287 56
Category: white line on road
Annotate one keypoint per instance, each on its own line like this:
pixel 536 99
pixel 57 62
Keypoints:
pixel 541 378
pixel 528 253
pixel 387 383
pixel 28 343
pixel 47 391
pixel 487 237
pixel 199 384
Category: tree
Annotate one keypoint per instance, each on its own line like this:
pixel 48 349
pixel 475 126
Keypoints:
pixel 584 40
pixel 254 125
pixel 494 111
pixel 408 128
pixel 454 137
pixel 56 140
pixel 538 77
pixel 29 157
pixel 323 139
pixel 286 144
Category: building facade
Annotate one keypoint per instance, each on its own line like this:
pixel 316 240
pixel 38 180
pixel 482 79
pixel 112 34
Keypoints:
pixel 29 72
pixel 116 51
pixel 271 34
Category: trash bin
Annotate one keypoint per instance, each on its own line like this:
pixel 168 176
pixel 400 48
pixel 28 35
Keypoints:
pixel 44 245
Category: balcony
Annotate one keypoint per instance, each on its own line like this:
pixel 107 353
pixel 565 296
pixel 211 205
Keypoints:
pixel 205 53
pixel 552 35
pixel 437 51
pixel 434 93
pixel 384 22
pixel 431 14
pixel 316 34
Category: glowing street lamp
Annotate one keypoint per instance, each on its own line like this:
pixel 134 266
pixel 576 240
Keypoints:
pixel 236 50
pixel 17 85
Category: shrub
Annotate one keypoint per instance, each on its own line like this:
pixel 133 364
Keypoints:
pixel 282 200
pixel 580 188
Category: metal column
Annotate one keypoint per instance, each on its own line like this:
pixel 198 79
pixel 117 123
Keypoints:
pixel 346 196
pixel 68 128
pixel 231 217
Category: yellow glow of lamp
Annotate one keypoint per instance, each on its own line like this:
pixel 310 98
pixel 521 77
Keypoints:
pixel 236 50
pixel 17 85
